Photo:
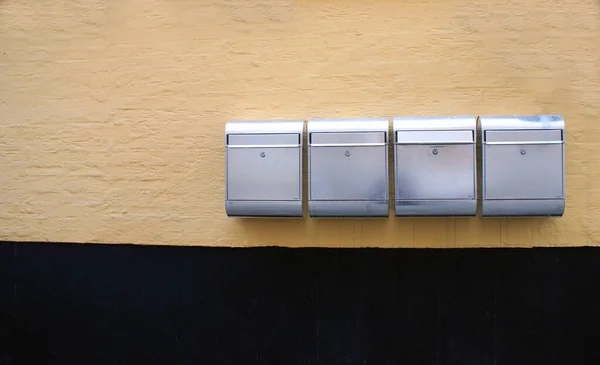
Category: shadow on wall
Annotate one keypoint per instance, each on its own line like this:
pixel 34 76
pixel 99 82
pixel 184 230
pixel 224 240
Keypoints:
pixel 398 232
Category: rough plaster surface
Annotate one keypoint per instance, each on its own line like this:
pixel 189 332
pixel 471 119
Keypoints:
pixel 112 113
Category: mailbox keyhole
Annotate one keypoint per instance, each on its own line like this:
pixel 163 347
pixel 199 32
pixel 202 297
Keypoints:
pixel 262 154
pixel 523 151
pixel 347 153
pixel 435 151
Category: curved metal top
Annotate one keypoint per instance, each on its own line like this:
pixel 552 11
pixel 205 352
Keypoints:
pixel 435 123
pixel 348 125
pixel 264 126
pixel 522 122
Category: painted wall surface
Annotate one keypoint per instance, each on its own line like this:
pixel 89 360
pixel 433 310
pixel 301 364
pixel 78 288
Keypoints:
pixel 112 113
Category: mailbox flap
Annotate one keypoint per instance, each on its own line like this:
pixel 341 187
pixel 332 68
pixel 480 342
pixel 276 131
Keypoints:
pixel 265 140
pixel 348 139
pixel 524 136
pixel 435 137
pixel 434 130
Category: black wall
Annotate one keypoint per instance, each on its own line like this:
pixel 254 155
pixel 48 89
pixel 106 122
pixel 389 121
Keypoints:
pixel 113 304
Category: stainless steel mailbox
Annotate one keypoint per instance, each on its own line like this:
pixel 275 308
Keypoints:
pixel 264 168
pixel 435 166
pixel 348 167
pixel 523 166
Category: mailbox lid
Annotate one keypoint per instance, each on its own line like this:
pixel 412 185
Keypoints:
pixel 425 172
pixel 435 124
pixel 264 127
pixel 515 122
pixel 348 173
pixel 347 125
pixel 528 171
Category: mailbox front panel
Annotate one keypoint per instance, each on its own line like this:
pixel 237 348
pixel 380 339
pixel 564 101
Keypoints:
pixel 264 174
pixel 263 170
pixel 435 172
pixel 348 173
pixel 523 172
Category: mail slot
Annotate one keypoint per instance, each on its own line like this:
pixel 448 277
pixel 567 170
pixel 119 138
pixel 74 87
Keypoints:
pixel 264 168
pixel 348 167
pixel 435 166
pixel 523 166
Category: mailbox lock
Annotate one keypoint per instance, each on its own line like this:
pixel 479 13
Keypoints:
pixel 435 151
pixel 347 153
pixel 523 152
pixel 262 154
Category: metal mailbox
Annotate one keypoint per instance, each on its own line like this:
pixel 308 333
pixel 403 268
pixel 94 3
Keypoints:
pixel 523 165
pixel 348 167
pixel 264 168
pixel 435 166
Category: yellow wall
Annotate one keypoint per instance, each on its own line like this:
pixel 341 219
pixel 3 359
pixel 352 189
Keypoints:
pixel 112 113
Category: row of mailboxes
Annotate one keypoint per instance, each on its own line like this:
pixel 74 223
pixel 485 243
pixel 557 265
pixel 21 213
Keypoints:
pixel 435 167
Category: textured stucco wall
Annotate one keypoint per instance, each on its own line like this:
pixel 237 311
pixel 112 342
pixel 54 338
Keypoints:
pixel 112 113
